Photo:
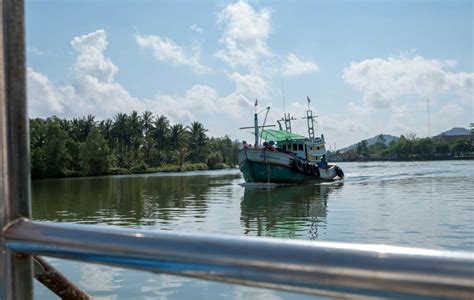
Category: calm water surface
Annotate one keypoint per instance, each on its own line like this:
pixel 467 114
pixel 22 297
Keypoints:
pixel 419 204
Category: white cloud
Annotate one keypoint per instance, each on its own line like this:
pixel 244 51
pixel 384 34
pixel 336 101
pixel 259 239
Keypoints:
pixel 295 66
pixel 251 85
pixel 383 82
pixel 451 114
pixel 394 93
pixel 168 50
pixel 37 51
pixel 91 60
pixel 43 98
pixel 221 114
pixel 198 100
pixel 245 34
pixel 195 28
pixel 93 90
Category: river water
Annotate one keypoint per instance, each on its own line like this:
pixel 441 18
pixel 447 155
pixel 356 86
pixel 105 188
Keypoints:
pixel 418 204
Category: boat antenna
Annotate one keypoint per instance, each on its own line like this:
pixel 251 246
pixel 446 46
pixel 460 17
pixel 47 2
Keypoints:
pixel 428 110
pixel 286 117
pixel 283 95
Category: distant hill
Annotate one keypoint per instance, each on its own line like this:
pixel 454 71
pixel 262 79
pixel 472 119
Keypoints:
pixel 455 131
pixel 388 139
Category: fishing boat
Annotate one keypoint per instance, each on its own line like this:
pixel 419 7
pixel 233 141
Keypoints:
pixel 281 156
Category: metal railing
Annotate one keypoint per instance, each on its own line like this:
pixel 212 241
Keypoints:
pixel 330 269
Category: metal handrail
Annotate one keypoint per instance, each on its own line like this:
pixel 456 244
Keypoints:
pixel 322 268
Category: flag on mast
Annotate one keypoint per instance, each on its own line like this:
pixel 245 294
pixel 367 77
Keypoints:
pixel 309 100
pixel 256 102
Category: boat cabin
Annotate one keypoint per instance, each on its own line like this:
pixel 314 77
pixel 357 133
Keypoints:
pixel 302 147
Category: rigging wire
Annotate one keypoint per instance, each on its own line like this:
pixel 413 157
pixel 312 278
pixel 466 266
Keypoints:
pixel 283 94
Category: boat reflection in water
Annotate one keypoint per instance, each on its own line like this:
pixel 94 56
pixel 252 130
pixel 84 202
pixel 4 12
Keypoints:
pixel 286 211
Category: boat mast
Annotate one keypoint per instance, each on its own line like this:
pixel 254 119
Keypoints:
pixel 310 120
pixel 255 123
pixel 256 128
pixel 287 119
pixel 264 121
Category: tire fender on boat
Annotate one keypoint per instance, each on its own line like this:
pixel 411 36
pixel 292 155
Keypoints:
pixel 339 172
pixel 315 171
pixel 299 165
pixel 292 163
pixel 307 168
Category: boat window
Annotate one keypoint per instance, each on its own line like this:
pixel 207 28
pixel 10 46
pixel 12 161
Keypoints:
pixel 317 148
pixel 300 147
pixel 284 147
pixel 295 147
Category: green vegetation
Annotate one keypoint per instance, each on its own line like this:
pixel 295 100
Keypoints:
pixel 127 144
pixel 408 148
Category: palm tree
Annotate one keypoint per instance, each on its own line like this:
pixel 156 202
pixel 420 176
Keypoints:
pixel 198 141
pixel 160 132
pixel 147 122
pixel 178 136
pixel 106 127
pixel 135 126
pixel 65 125
pixel 121 134
pixel 147 126
pixel 80 128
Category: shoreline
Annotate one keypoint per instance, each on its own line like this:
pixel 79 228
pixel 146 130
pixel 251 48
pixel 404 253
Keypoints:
pixel 153 170
pixel 200 167
pixel 405 160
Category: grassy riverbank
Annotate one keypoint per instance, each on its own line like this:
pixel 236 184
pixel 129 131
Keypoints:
pixel 168 168
pixel 147 170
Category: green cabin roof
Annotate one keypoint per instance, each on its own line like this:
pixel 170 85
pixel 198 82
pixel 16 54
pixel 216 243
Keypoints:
pixel 280 136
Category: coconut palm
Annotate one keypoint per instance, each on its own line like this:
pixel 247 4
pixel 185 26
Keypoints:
pixel 106 127
pixel 135 127
pixel 80 128
pixel 161 132
pixel 147 126
pixel 178 136
pixel 197 141
pixel 160 136
pixel 120 132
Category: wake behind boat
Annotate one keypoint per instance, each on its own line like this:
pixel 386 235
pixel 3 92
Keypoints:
pixel 286 157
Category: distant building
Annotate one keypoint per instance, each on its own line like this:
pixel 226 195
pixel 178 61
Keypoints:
pixel 455 134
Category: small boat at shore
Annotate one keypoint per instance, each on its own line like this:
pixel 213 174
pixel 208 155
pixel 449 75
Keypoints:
pixel 286 157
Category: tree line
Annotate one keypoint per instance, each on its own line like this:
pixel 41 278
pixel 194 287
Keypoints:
pixel 128 143
pixel 408 148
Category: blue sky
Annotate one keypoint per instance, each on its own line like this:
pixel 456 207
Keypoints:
pixel 368 66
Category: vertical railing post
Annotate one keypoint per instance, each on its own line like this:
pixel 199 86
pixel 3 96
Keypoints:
pixel 15 269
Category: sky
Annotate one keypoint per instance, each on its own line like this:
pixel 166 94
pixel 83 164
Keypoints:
pixel 369 67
